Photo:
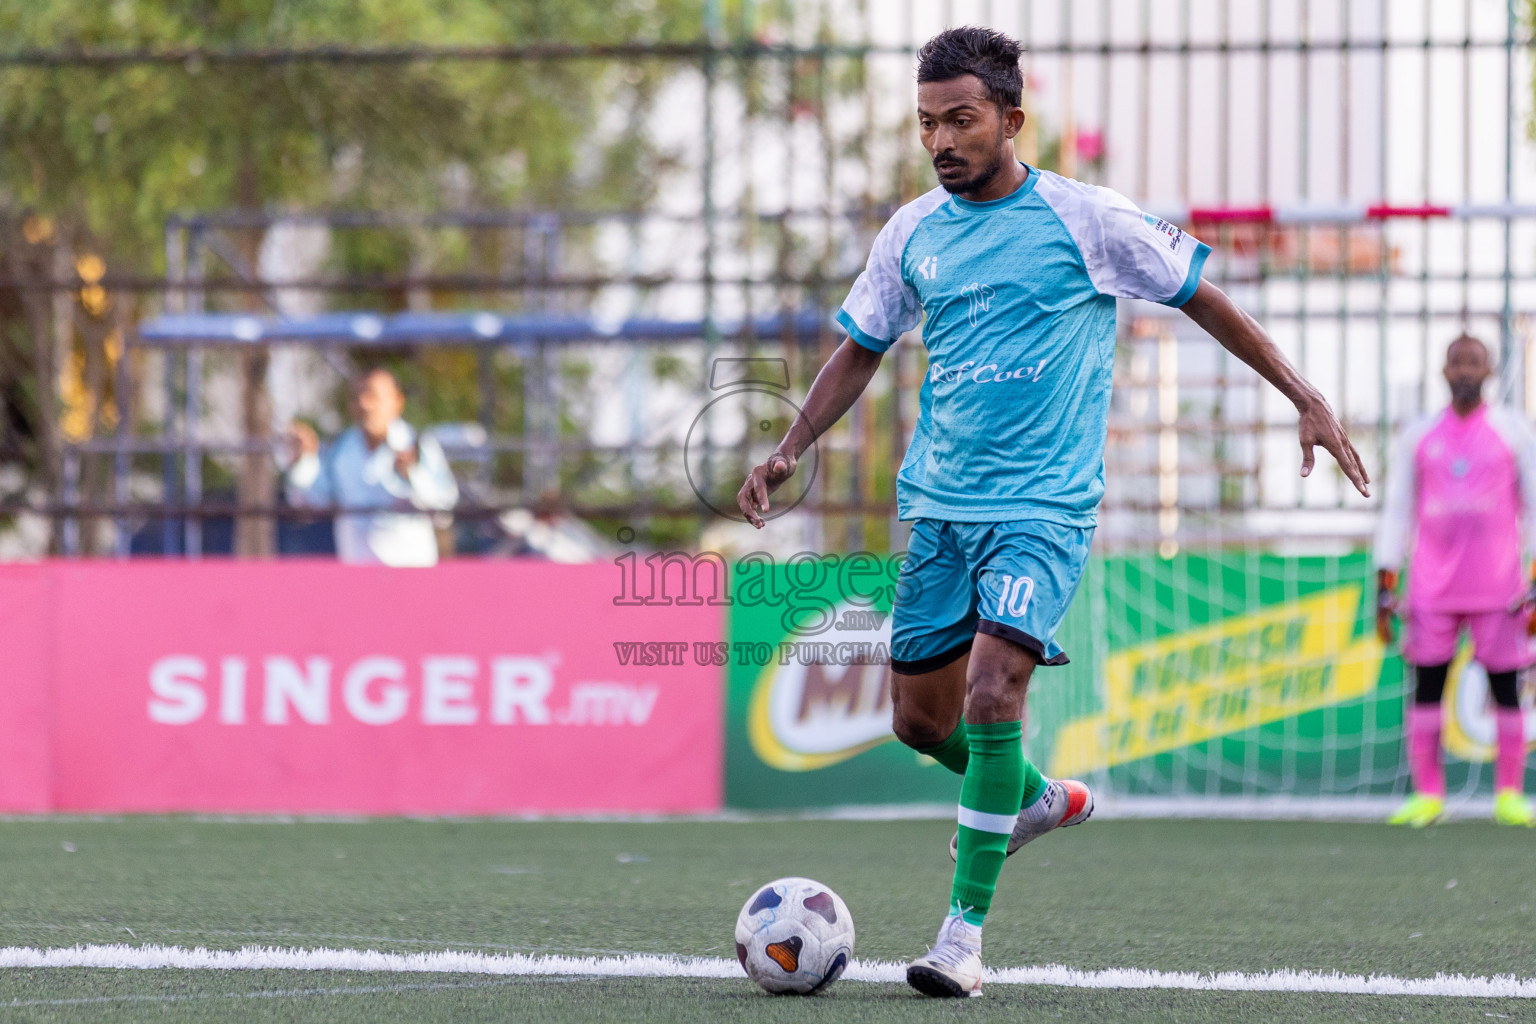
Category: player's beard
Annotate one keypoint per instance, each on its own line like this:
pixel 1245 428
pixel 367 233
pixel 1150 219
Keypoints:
pixel 1466 394
pixel 975 181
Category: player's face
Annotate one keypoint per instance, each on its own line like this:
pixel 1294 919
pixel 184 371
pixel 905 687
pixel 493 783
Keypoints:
pixel 1466 367
pixel 964 132
pixel 379 403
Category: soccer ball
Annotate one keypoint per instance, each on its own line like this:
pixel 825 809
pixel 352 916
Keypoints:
pixel 794 935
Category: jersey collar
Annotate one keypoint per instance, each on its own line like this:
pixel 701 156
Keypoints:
pixel 1012 198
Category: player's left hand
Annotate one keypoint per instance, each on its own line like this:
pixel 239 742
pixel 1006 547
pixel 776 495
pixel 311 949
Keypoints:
pixel 1386 604
pixel 1318 425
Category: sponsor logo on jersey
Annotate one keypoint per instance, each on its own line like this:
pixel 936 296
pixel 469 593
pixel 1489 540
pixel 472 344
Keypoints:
pixel 929 268
pixel 1173 233
pixel 981 299
pixel 986 373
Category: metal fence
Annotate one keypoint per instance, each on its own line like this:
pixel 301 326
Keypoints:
pixel 1362 170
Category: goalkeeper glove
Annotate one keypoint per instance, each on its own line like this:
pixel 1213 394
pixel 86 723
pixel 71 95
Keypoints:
pixel 1526 602
pixel 1386 603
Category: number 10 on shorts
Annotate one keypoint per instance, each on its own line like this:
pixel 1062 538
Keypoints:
pixel 1015 596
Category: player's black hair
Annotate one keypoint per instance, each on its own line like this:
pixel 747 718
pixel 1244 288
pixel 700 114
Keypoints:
pixel 970 50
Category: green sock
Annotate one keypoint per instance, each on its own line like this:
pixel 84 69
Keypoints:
pixel 1034 784
pixel 990 796
pixel 955 753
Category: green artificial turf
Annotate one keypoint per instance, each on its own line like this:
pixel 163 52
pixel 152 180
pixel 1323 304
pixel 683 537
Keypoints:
pixel 1185 895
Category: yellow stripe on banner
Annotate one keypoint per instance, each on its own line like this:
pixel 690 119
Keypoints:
pixel 1240 673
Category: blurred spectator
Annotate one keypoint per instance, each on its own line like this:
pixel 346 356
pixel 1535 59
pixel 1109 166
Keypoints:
pixel 382 473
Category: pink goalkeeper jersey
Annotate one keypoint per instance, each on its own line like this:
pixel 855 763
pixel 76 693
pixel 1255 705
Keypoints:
pixel 1460 491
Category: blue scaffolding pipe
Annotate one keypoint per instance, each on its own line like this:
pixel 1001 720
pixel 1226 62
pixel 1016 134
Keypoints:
pixel 372 329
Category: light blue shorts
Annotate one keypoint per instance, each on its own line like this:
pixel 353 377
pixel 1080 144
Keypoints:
pixel 1013 580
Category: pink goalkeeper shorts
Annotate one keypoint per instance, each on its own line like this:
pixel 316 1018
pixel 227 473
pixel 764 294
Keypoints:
pixel 1499 640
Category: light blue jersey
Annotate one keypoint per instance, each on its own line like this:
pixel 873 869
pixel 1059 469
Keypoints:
pixel 1019 298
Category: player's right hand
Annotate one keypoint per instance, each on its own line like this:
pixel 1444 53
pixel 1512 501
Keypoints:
pixel 1386 604
pixel 752 499
pixel 1525 605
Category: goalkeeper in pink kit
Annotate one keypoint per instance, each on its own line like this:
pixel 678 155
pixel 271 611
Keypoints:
pixel 1461 492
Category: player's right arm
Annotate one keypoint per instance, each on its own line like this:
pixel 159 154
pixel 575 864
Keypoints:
pixel 839 384
pixel 881 307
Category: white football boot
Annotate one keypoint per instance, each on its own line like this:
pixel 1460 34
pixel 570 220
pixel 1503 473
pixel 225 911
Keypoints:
pixel 953 966
pixel 1067 802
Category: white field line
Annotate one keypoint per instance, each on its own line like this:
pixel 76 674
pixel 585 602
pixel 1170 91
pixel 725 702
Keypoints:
pixel 296 936
pixel 150 957
pixel 291 993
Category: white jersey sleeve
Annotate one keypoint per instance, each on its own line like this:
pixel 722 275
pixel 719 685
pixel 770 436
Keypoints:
pixel 882 306
pixel 1127 253
pixel 1515 431
pixel 1394 530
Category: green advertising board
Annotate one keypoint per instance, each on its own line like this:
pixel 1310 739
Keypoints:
pixel 1204 674
pixel 803 730
pixel 1233 673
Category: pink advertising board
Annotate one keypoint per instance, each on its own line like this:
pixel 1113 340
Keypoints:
pixel 471 688
pixel 25 694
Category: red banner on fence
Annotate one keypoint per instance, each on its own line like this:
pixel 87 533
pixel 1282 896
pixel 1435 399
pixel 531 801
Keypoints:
pixel 471 688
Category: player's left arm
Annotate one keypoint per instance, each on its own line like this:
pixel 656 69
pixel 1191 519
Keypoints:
pixel 1241 335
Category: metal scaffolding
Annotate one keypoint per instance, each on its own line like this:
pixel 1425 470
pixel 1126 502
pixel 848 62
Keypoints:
pixel 1361 169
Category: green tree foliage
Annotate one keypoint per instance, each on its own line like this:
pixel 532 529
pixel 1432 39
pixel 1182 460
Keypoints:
pixel 115 148
pixel 94 156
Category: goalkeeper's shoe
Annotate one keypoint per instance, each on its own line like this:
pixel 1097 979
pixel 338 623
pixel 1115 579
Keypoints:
pixel 1067 802
pixel 953 966
pixel 1512 808
pixel 1418 811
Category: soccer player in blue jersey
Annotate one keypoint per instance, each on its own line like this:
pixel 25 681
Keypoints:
pixel 1014 273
